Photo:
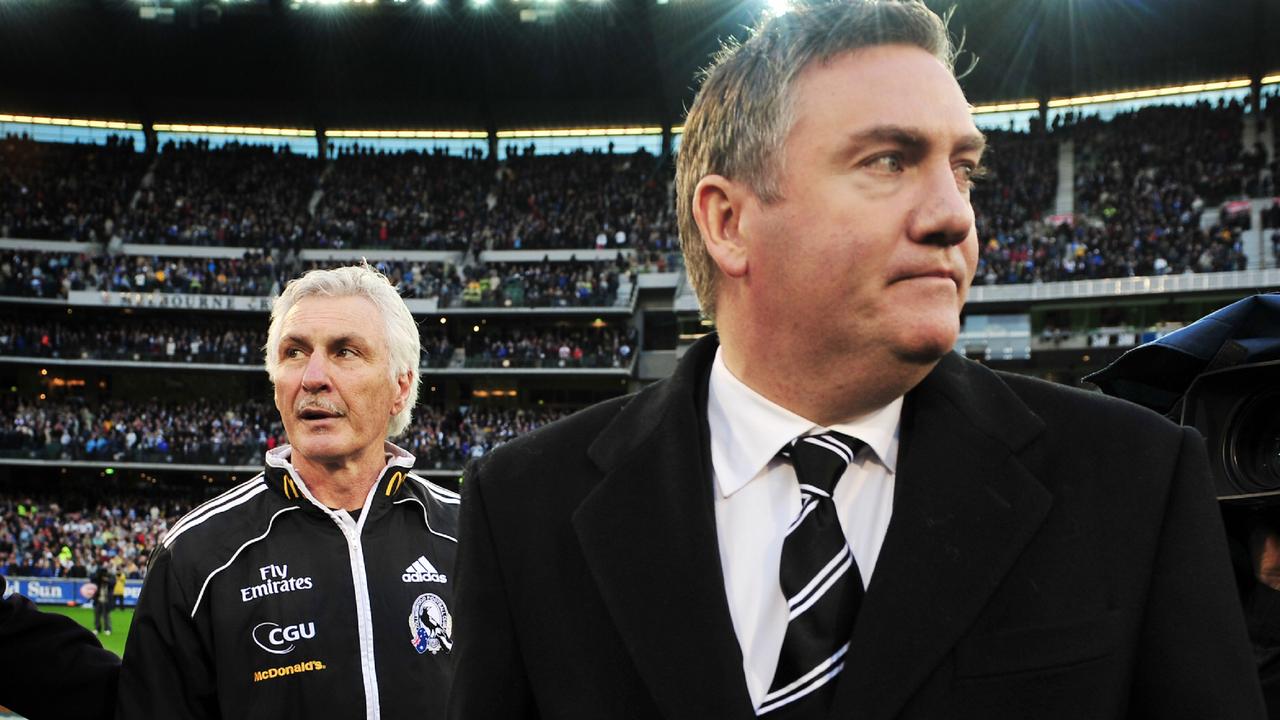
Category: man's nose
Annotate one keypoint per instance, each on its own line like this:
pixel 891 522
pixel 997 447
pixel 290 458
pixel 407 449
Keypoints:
pixel 943 215
pixel 315 376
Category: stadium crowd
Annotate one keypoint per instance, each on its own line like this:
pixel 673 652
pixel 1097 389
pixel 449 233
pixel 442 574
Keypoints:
pixel 1139 194
pixel 180 340
pixel 443 438
pixel 229 432
pixel 1196 146
pixel 61 537
pixel 1142 181
pixel 210 432
pixel 47 537
pixel 199 339
pixel 263 197
pixel 551 348
pixel 31 273
pixel 239 195
pixel 60 191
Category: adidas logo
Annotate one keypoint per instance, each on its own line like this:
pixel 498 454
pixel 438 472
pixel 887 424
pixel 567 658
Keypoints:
pixel 423 571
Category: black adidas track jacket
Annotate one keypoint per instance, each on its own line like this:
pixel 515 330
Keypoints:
pixel 262 603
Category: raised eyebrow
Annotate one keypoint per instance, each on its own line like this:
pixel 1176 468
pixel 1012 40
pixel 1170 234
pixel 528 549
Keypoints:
pixel 288 340
pixel 339 341
pixel 894 134
pixel 975 143
pixel 347 340
pixel 911 139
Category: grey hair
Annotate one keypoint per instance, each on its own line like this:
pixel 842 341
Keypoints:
pixel 740 119
pixel 403 344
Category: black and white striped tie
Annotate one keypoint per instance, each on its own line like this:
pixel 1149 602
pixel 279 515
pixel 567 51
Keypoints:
pixel 820 580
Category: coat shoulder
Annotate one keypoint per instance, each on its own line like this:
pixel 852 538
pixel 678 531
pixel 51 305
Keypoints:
pixel 1069 408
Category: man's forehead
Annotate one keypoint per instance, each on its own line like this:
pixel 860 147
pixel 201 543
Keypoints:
pixel 894 85
pixel 318 315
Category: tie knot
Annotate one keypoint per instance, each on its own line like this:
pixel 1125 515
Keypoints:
pixel 820 460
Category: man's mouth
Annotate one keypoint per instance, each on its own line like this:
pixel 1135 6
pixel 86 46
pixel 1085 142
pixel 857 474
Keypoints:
pixel 318 410
pixel 940 273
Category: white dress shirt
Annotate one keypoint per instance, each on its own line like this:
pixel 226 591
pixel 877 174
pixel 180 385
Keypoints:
pixel 757 497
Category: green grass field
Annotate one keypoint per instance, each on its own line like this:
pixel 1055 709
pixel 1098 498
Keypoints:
pixel 120 620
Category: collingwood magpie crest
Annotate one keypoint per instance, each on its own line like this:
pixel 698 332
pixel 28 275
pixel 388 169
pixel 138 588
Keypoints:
pixel 430 625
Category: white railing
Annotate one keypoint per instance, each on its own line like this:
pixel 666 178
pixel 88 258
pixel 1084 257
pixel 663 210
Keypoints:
pixel 1126 287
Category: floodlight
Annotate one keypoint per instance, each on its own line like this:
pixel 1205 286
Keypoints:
pixel 480 3
pixel 778 7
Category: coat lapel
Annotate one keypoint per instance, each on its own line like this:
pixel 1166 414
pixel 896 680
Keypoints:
pixel 648 534
pixel 964 508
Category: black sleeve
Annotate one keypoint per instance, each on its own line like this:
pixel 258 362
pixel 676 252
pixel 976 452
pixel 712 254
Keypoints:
pixel 489 674
pixel 51 667
pixel 1262 612
pixel 1194 659
pixel 167 672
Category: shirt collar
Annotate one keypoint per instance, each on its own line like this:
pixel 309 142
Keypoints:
pixel 748 429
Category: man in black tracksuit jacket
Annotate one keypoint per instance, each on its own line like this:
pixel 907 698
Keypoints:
pixel 322 587
pixel 263 603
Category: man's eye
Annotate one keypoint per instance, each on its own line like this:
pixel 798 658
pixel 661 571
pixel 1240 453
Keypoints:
pixel 292 353
pixel 887 163
pixel 968 173
pixel 345 352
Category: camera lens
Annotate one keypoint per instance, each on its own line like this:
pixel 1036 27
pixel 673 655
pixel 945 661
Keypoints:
pixel 1253 443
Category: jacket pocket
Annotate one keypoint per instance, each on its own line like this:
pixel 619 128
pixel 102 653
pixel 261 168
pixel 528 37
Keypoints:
pixel 1019 650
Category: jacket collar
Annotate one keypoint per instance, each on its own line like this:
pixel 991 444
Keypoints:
pixel 647 532
pixel 964 508
pixel 283 478
pixel 966 504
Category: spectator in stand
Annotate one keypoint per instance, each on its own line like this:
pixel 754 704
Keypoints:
pixel 1271 215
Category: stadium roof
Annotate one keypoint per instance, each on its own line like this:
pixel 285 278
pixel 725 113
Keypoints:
pixel 544 63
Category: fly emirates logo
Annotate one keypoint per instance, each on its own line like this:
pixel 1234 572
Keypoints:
pixel 275 579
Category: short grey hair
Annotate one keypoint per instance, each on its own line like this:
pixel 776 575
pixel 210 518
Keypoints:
pixel 741 117
pixel 403 344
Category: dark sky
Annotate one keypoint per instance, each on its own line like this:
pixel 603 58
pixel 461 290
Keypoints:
pixel 613 62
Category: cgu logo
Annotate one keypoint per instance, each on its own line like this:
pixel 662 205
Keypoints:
pixel 279 640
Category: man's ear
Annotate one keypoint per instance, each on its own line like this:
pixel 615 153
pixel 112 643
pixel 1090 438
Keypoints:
pixel 404 381
pixel 717 209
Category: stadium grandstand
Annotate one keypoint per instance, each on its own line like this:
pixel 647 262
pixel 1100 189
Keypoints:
pixel 509 165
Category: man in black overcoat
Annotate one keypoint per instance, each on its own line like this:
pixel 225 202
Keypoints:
pixel 999 547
